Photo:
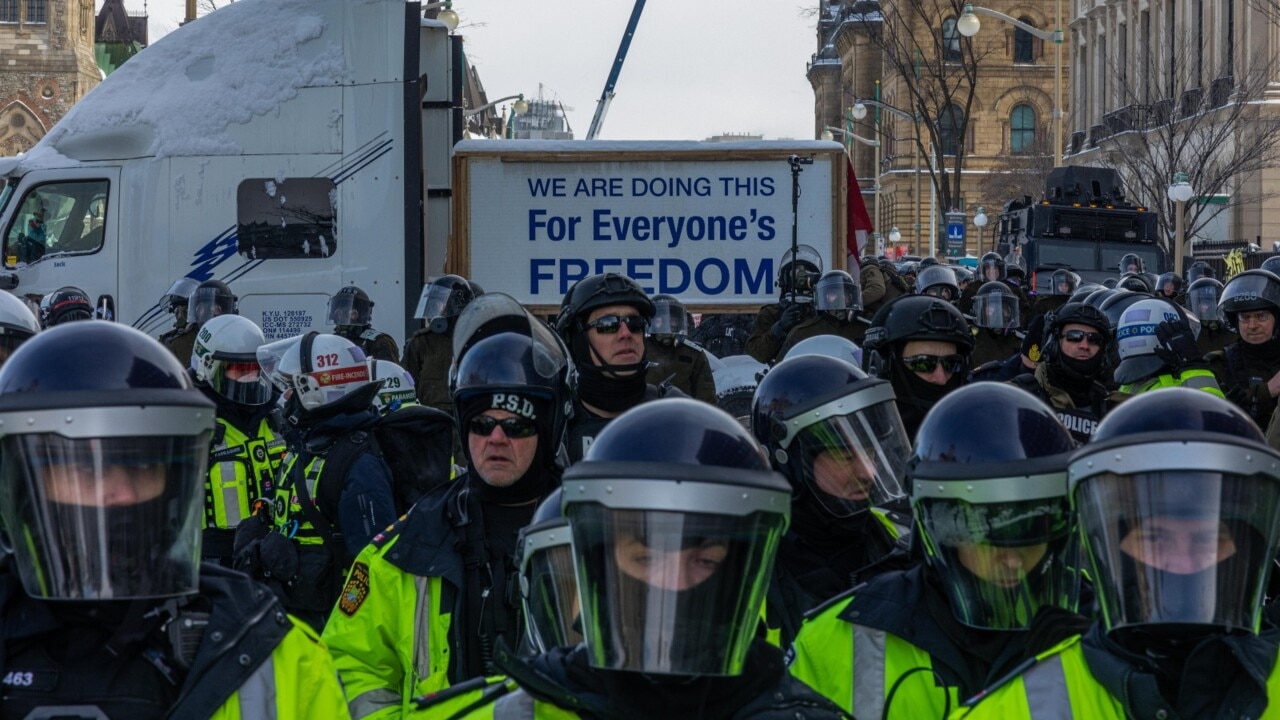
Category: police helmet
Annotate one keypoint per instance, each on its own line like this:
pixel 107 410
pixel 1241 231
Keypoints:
pixel 66 304
pixel 224 358
pixel 996 307
pixel 1249 291
pixel 1271 264
pixel 17 324
pixel 670 319
pixel 830 346
pixel 178 294
pixel 1063 282
pixel 798 270
pixel 964 275
pixel 1084 291
pixel 350 306
pixel 209 299
pixel 442 300
pixel 912 317
pixel 1136 340
pixel 925 262
pixel 548 589
pixel 1118 301
pixel 938 281
pixel 675 513
pixel 597 291
pixel 1099 296
pixel 102 465
pixel 1131 262
pixel 507 359
pixel 1134 282
pixel 1169 285
pixel 992 267
pixel 397 389
pixel 833 431
pixel 1202 299
pixel 837 295
pixel 1077 313
pixel 324 376
pixel 1199 269
pixel 1165 470
pixel 990 502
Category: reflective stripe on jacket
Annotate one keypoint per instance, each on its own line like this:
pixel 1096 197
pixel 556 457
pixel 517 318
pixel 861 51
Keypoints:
pixel 241 470
pixel 1196 379
pixel 297 681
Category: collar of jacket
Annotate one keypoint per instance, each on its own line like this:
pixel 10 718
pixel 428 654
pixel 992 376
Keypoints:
pixel 428 539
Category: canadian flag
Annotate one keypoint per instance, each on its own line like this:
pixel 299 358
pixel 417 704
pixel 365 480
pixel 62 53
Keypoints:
pixel 858 226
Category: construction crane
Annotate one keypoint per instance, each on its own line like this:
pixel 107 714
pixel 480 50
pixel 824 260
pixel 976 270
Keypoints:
pixel 602 105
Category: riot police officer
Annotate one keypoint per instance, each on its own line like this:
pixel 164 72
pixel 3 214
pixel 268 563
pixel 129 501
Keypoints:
pixel 245 453
pixel 1248 370
pixel 796 275
pixel 994 268
pixel 921 345
pixel 674 515
pixel 429 352
pixel 1063 283
pixel 104 611
pixel 602 321
pixel 1178 501
pixel 838 301
pixel 1202 301
pixel 881 283
pixel 66 304
pixel 938 281
pixel 999 583
pixel 1157 349
pixel 174 302
pixel 997 317
pixel 207 300
pixel 351 312
pixel 835 434
pixel 451 555
pixel 677 361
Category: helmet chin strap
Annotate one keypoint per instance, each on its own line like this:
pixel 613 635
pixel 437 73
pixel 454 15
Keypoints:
pixel 605 367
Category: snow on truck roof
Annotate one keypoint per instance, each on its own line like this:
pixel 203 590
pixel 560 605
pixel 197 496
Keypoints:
pixel 657 146
pixel 179 96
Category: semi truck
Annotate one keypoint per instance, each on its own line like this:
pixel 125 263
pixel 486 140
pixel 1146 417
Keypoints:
pixel 1083 223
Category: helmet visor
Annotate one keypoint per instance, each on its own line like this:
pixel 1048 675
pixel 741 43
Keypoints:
pixel 1180 547
pixel 279 362
pixel 240 381
pixel 433 302
pixel 346 309
pixel 104 518
pixel 997 311
pixel 668 592
pixel 1202 301
pixel 668 319
pixel 178 292
pixel 208 302
pixel 837 294
pixel 1001 562
pixel 551 597
pixel 852 462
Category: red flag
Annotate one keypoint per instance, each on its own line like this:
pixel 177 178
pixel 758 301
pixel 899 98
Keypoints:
pixel 858 226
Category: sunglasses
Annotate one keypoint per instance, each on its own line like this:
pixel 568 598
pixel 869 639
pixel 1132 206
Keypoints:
pixel 516 427
pixel 609 324
pixel 1076 336
pixel 926 363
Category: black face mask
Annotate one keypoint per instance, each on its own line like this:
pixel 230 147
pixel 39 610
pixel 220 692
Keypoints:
pixel 608 392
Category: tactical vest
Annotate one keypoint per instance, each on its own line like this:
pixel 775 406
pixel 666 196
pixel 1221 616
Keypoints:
pixel 241 470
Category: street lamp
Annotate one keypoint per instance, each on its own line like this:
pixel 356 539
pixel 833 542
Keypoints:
pixel 1179 192
pixel 859 111
pixel 968 25
pixel 980 220
pixel 519 106
pixel 446 16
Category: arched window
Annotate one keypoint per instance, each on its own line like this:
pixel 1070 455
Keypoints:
pixel 1022 129
pixel 950 124
pixel 1024 44
pixel 950 40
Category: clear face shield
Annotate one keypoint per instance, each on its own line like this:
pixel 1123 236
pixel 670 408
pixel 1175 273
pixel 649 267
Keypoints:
pixel 238 380
pixel 798 271
pixel 996 311
pixel 104 518
pixel 348 309
pixel 1064 282
pixel 671 593
pixel 178 293
pixel 837 296
pixel 433 302
pixel 853 462
pixel 548 588
pixel 208 302
pixel 1202 301
pixel 1001 562
pixel 1178 548
pixel 669 321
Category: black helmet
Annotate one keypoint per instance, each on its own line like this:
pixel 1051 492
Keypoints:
pixel 1199 269
pixel 178 294
pixel 938 281
pixel 1202 299
pixel 597 291
pixel 837 295
pixel 548 589
pixel 1077 313
pixel 1271 264
pixel 1084 291
pixel 104 450
pixel 1131 262
pixel 675 514
pixel 925 262
pixel 350 306
pixel 442 300
pixel 1169 281
pixel 1134 282
pixel 670 319
pixel 507 359
pixel 912 317
pixel 992 267
pixel 1178 463
pixel 1250 290
pixel 1099 296
pixel 798 271
pixel 964 275
pixel 813 405
pixel 996 307
pixel 1063 282
pixel 210 298
pixel 66 304
pixel 981 490
pixel 1119 301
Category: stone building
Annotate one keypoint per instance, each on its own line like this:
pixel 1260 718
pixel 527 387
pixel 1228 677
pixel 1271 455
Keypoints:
pixel 1008 135
pixel 46 66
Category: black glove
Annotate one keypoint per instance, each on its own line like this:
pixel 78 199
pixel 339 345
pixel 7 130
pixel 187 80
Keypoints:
pixel 254 527
pixel 791 316
pixel 279 557
pixel 1178 347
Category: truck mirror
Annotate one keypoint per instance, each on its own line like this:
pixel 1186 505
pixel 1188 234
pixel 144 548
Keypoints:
pixel 8 280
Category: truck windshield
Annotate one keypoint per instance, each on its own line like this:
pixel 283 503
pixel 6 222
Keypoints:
pixel 6 189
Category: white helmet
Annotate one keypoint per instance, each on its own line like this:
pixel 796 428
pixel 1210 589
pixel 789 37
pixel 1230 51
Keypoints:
pixel 397 387
pixel 17 323
pixel 326 374
pixel 224 358
pixel 1136 338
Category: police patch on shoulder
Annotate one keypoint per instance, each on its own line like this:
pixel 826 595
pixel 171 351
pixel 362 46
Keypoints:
pixel 356 591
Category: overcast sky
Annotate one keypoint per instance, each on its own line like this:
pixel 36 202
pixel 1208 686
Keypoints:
pixel 695 68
